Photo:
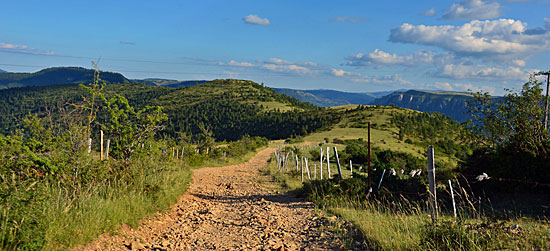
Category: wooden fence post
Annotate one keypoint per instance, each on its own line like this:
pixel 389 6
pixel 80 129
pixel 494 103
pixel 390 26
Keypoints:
pixel 381 178
pixel 107 149
pixel 297 162
pixel 338 163
pixel 277 159
pixel 177 153
pixel 302 169
pixel 321 161
pixel 431 179
pixel 350 168
pixel 89 145
pixel 101 143
pixel 368 158
pixel 315 172
pixel 286 161
pixel 328 162
pixel 453 198
pixel 307 170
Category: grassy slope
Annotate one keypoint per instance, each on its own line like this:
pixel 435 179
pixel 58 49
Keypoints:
pixel 384 135
pixel 399 229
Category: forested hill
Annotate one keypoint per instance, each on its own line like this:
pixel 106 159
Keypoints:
pixel 227 108
pixel 452 104
pixel 56 76
pixel 1 71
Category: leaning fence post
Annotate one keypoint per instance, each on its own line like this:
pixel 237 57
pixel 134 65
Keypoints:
pixel 381 178
pixel 107 149
pixel 307 170
pixel 297 162
pixel 431 179
pixel 101 140
pixel 338 163
pixel 302 169
pixel 328 162
pixel 452 197
pixel 277 159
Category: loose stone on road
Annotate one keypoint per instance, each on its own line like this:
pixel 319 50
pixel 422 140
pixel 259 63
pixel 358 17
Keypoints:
pixel 226 208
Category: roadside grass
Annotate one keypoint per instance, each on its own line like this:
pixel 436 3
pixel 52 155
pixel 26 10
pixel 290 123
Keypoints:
pixel 103 208
pixel 407 225
pixel 61 216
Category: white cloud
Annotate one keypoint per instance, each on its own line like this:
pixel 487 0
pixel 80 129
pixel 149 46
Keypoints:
pixel 242 64
pixel 473 9
pixel 461 87
pixel 443 86
pixel 378 57
pixel 350 19
pixel 277 61
pixel 547 23
pixel 501 38
pixel 254 19
pixel 518 62
pixel 481 72
pixel 428 13
pixel 287 68
pixel 377 79
pixel 23 49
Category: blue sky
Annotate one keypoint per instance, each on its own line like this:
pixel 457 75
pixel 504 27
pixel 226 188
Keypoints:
pixel 357 46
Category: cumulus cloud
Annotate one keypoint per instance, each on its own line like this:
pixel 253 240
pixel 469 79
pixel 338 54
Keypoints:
pixel 14 48
pixel 350 19
pixel 377 79
pixel 379 57
pixel 254 19
pixel 473 9
pixel 242 64
pixel 547 23
pixel 428 13
pixel 481 72
pixel 503 37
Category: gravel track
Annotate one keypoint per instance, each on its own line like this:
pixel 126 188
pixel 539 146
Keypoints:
pixel 228 208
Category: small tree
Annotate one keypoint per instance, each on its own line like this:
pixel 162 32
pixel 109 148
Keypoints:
pixel 515 123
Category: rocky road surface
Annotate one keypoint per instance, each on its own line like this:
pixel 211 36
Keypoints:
pixel 229 208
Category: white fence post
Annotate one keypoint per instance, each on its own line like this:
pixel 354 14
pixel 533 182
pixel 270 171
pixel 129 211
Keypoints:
pixel 431 179
pixel 328 162
pixel 321 161
pixel 338 163
pixel 453 198
pixel 107 149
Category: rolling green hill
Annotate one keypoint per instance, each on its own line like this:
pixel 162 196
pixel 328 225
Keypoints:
pixel 56 76
pixel 228 108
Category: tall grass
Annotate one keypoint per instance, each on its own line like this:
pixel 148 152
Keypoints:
pixel 392 222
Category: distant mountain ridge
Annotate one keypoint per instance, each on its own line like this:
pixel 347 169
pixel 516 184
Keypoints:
pixel 57 76
pixel 2 71
pixel 169 82
pixel 328 98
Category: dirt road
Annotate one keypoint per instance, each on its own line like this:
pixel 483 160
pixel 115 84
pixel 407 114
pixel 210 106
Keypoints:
pixel 228 208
